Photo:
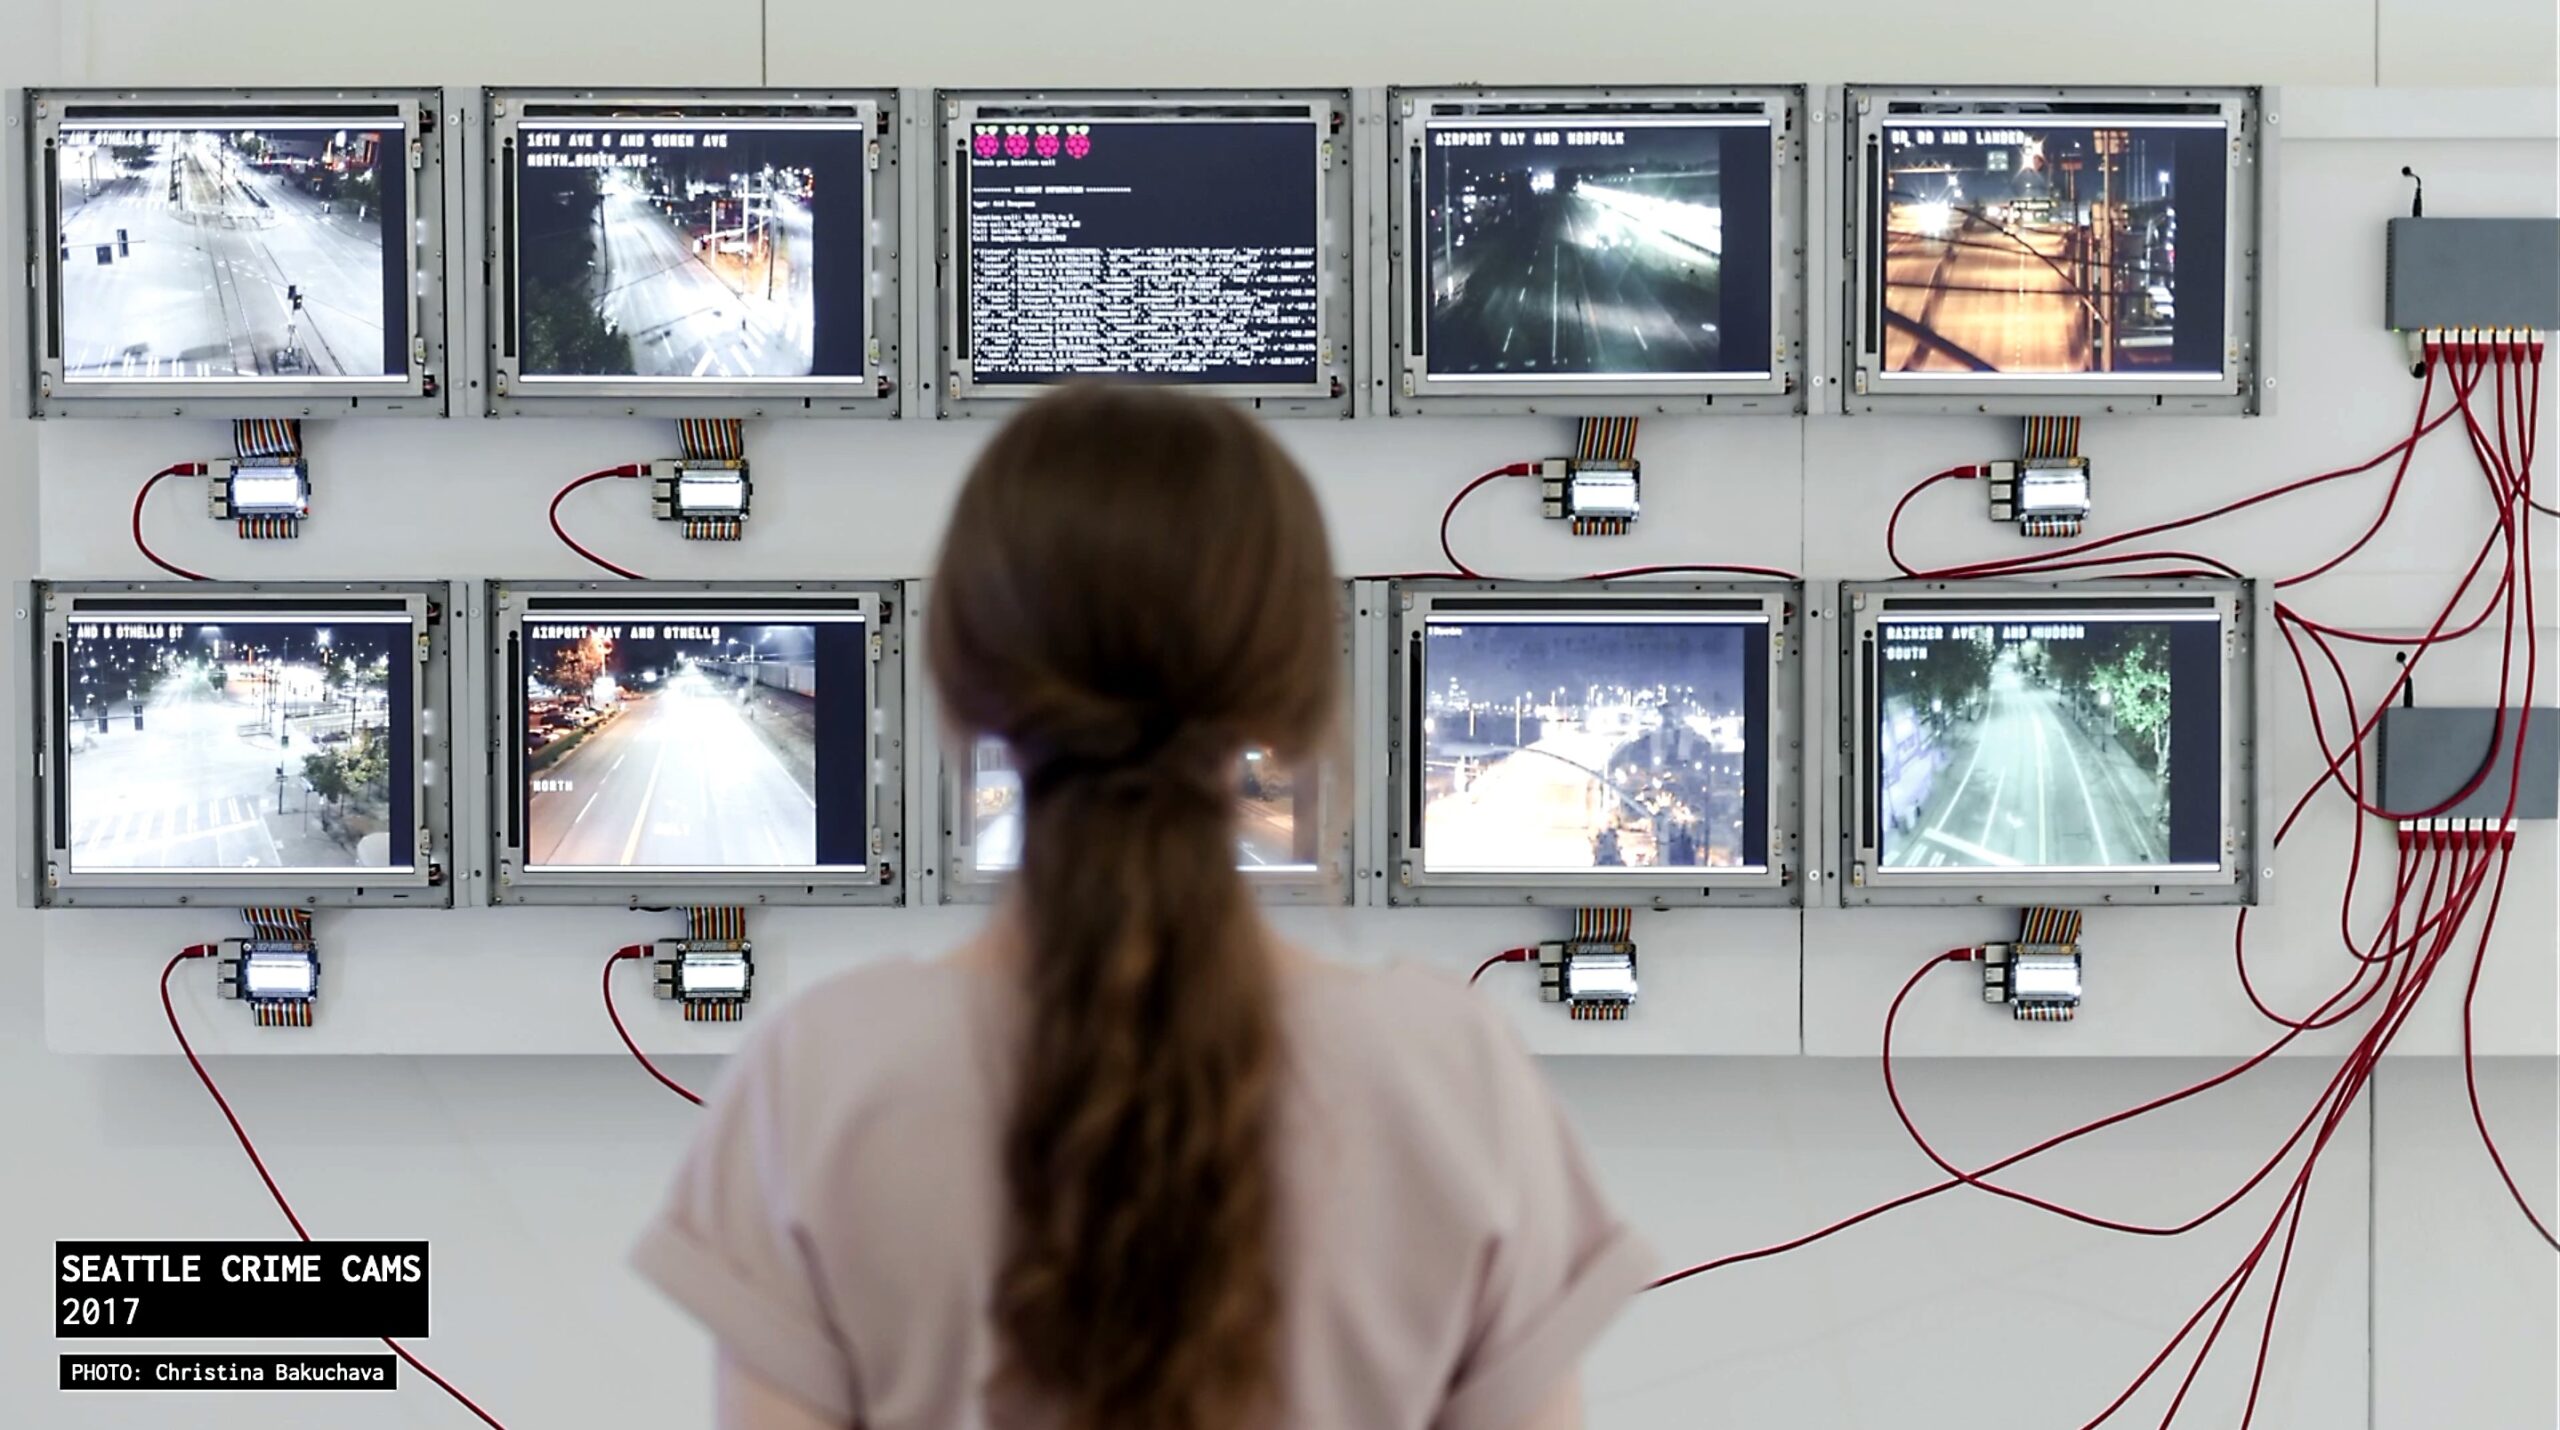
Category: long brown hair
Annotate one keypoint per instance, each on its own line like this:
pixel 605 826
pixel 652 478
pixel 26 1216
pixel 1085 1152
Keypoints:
pixel 1134 590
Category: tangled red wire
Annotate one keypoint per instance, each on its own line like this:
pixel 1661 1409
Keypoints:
pixel 2449 871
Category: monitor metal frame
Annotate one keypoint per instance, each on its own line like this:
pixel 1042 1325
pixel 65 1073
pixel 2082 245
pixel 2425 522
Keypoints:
pixel 47 610
pixel 882 880
pixel 871 112
pixel 1863 879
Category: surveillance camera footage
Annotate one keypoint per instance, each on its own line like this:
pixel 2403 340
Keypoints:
pixel 690 250
pixel 692 745
pixel 235 746
pixel 255 252
pixel 2050 741
pixel 1569 746
pixel 1595 248
pixel 2031 245
pixel 1276 823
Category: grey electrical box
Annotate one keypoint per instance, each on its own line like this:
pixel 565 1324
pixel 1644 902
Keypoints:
pixel 2471 273
pixel 2431 752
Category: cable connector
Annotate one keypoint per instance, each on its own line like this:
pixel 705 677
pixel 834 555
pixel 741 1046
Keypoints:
pixel 275 970
pixel 711 970
pixel 2038 975
pixel 1593 973
pixel 709 496
pixel 1600 497
pixel 2457 835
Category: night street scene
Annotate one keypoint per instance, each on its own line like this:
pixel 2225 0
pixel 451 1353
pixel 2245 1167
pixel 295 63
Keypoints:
pixel 671 746
pixel 2024 746
pixel 1559 747
pixel 245 253
pixel 2037 249
pixel 1549 252
pixel 249 745
pixel 1269 833
pixel 683 254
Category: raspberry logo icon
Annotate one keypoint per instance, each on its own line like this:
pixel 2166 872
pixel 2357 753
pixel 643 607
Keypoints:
pixel 1045 144
pixel 1017 142
pixel 986 143
pixel 1079 141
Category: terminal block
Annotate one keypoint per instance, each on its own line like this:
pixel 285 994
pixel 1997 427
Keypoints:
pixel 1593 973
pixel 264 498
pixel 708 495
pixel 278 978
pixel 2046 496
pixel 1600 497
pixel 2038 976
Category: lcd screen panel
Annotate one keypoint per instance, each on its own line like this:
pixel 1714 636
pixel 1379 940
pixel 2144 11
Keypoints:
pixel 2041 245
pixel 2049 739
pixel 243 249
pixel 1168 250
pixel 1278 828
pixel 1596 247
pixel 238 746
pixel 689 249
pixel 1594 745
pixel 694 743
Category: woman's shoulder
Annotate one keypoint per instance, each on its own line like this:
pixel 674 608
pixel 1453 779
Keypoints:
pixel 1405 1024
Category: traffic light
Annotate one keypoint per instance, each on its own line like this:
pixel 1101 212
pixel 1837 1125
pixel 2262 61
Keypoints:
pixel 293 295
pixel 124 244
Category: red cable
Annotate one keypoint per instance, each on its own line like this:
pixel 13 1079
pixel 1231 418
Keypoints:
pixel 1508 955
pixel 638 951
pixel 1690 568
pixel 181 469
pixel 204 950
pixel 1516 469
pixel 628 470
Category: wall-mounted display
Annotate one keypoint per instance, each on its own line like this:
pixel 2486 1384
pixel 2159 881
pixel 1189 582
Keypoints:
pixel 728 254
pixel 2048 742
pixel 238 252
pixel 1596 251
pixel 239 744
pixel 1193 239
pixel 2055 250
pixel 667 742
pixel 1595 743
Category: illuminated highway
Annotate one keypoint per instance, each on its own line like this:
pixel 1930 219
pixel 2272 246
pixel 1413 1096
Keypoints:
pixel 2034 788
pixel 1539 807
pixel 199 289
pixel 679 779
pixel 1596 278
pixel 690 314
pixel 1963 294
pixel 195 787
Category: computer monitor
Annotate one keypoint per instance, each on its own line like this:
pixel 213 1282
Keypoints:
pixel 2097 244
pixel 2088 736
pixel 1196 241
pixel 695 743
pixel 683 248
pixel 1628 244
pixel 236 744
pixel 1280 832
pixel 238 252
pixel 1595 743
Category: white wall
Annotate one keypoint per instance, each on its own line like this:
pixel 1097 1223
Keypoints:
pixel 2419 1299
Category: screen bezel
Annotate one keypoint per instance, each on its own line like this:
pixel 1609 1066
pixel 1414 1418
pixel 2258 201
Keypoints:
pixel 1417 391
pixel 1414 605
pixel 425 607
pixel 875 393
pixel 417 392
pixel 1328 394
pixel 1864 879
pixel 1871 388
pixel 1329 882
pixel 882 880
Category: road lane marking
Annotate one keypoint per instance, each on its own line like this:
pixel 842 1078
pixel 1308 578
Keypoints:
pixel 1972 850
pixel 639 822
pixel 2095 830
pixel 2043 775
pixel 582 809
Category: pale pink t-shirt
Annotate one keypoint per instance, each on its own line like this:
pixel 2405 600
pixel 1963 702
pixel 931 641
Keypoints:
pixel 1446 1257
